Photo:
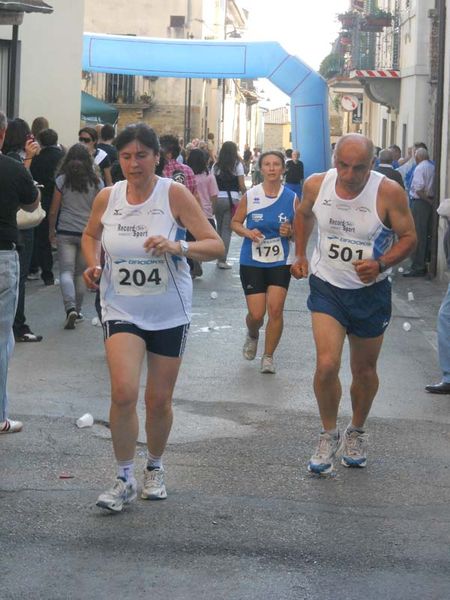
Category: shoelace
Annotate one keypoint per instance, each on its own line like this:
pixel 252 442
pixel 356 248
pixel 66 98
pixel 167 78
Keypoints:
pixel 323 449
pixel 355 443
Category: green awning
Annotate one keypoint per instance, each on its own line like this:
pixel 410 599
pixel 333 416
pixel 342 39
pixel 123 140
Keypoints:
pixel 93 109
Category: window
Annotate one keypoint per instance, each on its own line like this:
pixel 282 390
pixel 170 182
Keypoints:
pixel 119 89
pixel 177 20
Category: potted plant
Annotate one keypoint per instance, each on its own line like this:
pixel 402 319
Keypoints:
pixel 348 19
pixel 376 20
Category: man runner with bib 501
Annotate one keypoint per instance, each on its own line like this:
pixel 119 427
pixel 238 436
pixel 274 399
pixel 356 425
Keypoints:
pixel 364 228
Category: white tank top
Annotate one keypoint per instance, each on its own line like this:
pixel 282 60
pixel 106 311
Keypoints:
pixel 152 292
pixel 348 230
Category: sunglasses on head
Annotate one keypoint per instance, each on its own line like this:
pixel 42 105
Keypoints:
pixel 85 140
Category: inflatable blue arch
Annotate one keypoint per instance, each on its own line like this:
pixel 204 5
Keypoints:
pixel 226 59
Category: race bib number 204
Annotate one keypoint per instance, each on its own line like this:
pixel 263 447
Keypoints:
pixel 139 276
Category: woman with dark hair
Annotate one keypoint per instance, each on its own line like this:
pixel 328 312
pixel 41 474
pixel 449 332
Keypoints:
pixel 75 189
pixel 266 255
pixel 207 191
pixel 229 174
pixel 102 162
pixel 146 294
pixel 20 145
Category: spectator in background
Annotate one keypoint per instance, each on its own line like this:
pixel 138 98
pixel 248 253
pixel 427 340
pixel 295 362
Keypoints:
pixel 294 174
pixel 75 189
pixel 102 163
pixel 107 135
pixel 229 174
pixel 421 193
pixel 16 191
pixel 257 176
pixel 43 168
pixel 385 167
pixel 19 144
pixel 38 125
pixel 396 155
pixel 443 322
pixel 247 157
pixel 207 192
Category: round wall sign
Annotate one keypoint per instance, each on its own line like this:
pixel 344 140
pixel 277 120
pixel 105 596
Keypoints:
pixel 349 103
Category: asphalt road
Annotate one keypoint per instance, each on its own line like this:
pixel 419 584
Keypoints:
pixel 244 520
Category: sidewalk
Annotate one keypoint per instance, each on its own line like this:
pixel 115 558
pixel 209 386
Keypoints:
pixel 243 519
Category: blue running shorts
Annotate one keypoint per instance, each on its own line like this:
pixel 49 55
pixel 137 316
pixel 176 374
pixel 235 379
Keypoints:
pixel 364 312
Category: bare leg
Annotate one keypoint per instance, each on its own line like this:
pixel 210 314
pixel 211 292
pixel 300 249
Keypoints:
pixel 125 353
pixel 364 354
pixel 329 336
pixel 162 372
pixel 256 304
pixel 276 297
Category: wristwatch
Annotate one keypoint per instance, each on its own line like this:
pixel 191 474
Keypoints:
pixel 184 247
pixel 382 265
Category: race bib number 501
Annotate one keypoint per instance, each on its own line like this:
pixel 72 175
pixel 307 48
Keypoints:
pixel 139 276
pixel 344 251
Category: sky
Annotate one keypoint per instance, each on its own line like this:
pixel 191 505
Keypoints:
pixel 305 28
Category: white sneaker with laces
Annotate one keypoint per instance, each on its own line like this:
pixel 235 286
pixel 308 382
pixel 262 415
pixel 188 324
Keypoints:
pixel 267 365
pixel 118 496
pixel 250 347
pixel 154 488
pixel 321 462
pixel 223 265
pixel 10 426
pixel 353 449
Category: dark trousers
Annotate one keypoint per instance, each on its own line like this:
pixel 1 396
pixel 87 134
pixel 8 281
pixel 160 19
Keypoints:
pixel 25 250
pixel 43 251
pixel 421 212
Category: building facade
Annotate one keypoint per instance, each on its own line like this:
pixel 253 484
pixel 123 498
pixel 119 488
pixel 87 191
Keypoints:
pixel 49 66
pixel 189 108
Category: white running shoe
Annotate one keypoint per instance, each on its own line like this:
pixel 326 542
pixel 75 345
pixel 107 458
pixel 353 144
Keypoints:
pixel 121 494
pixel 321 462
pixel 154 488
pixel 10 426
pixel 250 347
pixel 223 265
pixel 267 365
pixel 353 449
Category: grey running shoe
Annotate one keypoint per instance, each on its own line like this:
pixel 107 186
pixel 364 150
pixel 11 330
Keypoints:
pixel 71 319
pixel 154 488
pixel 222 264
pixel 267 365
pixel 353 449
pixel 250 347
pixel 121 494
pixel 321 462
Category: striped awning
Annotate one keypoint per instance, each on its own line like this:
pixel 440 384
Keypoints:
pixel 29 6
pixel 375 73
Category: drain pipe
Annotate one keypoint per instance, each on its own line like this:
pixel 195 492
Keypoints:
pixel 438 119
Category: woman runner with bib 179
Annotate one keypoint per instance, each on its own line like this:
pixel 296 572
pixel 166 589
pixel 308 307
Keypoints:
pixel 146 294
pixel 267 251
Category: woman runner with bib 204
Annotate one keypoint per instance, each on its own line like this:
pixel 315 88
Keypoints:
pixel 267 251
pixel 146 294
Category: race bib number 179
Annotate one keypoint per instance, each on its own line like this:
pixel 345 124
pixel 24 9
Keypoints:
pixel 268 251
pixel 139 276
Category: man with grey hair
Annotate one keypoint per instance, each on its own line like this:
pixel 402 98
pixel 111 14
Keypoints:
pixel 17 190
pixel 364 228
pixel 386 158
pixel 421 193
